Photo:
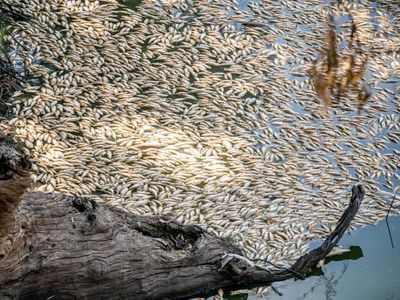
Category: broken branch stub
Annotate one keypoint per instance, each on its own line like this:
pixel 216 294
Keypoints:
pixel 14 180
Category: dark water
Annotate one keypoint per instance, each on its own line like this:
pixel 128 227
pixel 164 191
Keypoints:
pixel 132 4
pixel 371 271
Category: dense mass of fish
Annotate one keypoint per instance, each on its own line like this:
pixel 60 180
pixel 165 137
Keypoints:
pixel 186 108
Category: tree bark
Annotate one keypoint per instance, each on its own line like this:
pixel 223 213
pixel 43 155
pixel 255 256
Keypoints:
pixel 55 246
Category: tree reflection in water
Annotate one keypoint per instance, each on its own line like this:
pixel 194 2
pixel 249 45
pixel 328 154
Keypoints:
pixel 329 282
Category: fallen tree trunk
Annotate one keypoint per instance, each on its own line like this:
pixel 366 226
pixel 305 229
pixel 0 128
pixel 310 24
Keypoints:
pixel 64 247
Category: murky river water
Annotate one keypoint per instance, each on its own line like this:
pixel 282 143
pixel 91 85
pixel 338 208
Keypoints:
pixel 371 271
pixel 183 108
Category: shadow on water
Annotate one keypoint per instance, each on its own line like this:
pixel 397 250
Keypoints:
pixel 10 72
pixel 370 271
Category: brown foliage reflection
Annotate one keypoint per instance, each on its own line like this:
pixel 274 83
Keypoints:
pixel 336 74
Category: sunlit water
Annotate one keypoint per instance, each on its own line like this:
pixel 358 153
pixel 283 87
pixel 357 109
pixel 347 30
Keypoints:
pixel 175 107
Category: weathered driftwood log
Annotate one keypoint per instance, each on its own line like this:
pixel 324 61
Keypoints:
pixel 63 247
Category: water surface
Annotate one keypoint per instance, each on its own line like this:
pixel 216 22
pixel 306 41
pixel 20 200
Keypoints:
pixel 371 271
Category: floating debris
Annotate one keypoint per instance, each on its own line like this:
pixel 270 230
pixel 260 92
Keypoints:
pixel 171 108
